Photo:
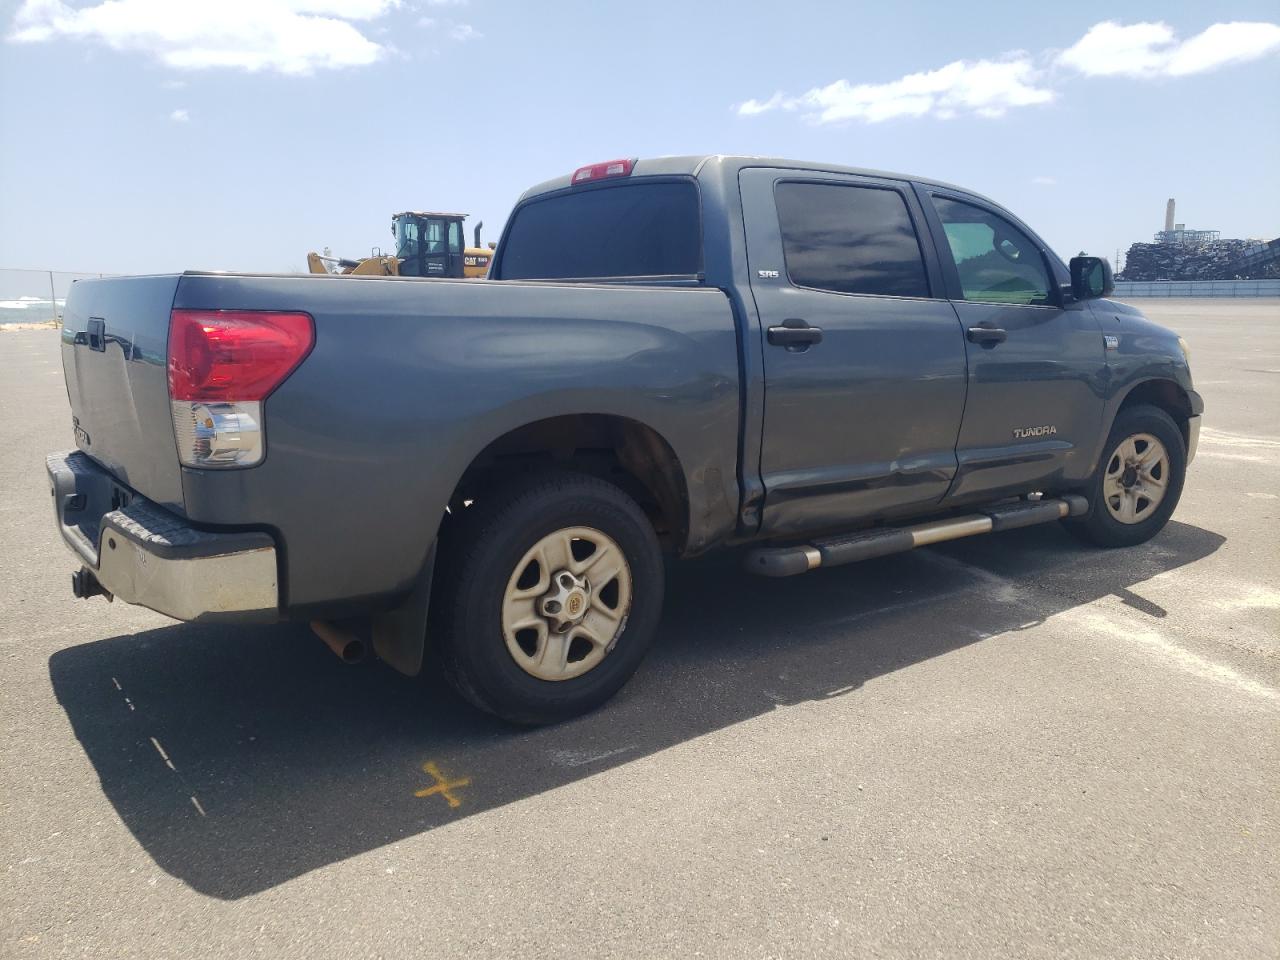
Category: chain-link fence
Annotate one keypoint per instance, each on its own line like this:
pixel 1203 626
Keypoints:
pixel 35 296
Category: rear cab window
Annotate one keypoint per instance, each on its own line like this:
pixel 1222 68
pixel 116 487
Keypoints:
pixel 641 228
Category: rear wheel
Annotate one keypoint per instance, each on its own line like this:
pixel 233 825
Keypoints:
pixel 549 597
pixel 1137 484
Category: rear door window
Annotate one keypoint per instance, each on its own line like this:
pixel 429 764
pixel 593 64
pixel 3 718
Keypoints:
pixel 850 239
pixel 640 229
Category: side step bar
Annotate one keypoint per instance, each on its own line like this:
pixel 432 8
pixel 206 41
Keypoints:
pixel 831 552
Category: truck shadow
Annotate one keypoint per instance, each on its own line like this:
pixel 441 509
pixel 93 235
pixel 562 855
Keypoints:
pixel 241 758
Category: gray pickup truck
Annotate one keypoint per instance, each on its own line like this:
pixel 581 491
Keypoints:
pixel 824 364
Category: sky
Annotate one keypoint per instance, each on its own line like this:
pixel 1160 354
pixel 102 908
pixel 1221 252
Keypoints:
pixel 159 135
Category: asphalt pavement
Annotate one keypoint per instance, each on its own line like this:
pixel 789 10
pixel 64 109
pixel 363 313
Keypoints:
pixel 1009 746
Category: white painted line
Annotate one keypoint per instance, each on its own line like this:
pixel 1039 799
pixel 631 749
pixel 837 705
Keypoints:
pixel 1238 457
pixel 1252 596
pixel 164 756
pixel 1133 628
pixel 1227 439
pixel 117 683
pixel 1191 662
pixel 198 807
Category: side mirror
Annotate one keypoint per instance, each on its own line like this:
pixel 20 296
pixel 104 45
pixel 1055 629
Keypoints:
pixel 1091 278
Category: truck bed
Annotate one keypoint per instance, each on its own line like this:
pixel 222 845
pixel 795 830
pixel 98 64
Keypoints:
pixel 409 380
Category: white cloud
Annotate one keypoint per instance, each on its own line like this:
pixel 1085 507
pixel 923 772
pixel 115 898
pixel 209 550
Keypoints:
pixel 751 107
pixel 459 32
pixel 990 88
pixel 288 36
pixel 447 3
pixel 1109 49
pixel 987 88
pixel 180 116
pixel 1044 181
pixel 1152 49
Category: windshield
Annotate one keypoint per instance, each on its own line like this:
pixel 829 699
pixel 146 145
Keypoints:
pixel 406 239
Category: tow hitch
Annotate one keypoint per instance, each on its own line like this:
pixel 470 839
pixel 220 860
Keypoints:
pixel 85 585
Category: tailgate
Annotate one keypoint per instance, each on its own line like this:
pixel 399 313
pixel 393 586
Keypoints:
pixel 114 357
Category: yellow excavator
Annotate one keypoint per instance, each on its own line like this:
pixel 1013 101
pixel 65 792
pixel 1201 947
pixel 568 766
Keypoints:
pixel 428 244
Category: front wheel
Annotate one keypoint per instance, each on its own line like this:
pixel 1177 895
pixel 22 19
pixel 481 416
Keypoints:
pixel 549 597
pixel 1137 484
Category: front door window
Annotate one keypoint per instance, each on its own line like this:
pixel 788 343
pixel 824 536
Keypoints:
pixel 997 262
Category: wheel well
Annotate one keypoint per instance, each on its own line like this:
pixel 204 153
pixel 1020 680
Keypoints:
pixel 625 452
pixel 1166 395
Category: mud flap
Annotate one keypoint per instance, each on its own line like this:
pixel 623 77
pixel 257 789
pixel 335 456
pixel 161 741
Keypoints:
pixel 400 635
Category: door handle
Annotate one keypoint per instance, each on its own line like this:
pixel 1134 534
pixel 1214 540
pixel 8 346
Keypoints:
pixel 796 335
pixel 987 335
pixel 96 332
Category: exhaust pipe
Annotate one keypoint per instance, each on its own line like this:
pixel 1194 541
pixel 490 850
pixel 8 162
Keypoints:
pixel 347 646
pixel 478 226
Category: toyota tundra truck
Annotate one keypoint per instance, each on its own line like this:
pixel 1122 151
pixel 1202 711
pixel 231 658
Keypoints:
pixel 812 363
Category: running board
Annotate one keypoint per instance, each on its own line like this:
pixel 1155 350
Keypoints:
pixel 833 551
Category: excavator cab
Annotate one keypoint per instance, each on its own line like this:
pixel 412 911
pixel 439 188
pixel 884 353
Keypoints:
pixel 429 244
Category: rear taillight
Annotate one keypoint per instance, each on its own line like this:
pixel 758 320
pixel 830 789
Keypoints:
pixel 602 171
pixel 222 365
pixel 234 354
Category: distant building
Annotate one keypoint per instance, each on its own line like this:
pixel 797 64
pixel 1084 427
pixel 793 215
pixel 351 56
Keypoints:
pixel 1184 237
pixel 1178 232
pixel 1181 254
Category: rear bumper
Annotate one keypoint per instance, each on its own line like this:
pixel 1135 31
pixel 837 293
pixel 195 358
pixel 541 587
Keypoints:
pixel 148 556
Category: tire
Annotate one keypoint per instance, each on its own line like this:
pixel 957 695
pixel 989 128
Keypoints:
pixel 1121 515
pixel 529 676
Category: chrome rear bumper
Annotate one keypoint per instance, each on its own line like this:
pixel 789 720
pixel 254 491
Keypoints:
pixel 146 555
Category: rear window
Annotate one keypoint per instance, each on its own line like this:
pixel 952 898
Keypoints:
pixel 637 230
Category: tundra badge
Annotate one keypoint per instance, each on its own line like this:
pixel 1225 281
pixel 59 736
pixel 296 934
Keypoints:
pixel 1023 433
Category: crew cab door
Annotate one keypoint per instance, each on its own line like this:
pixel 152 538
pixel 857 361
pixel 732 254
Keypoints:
pixel 864 360
pixel 1037 365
